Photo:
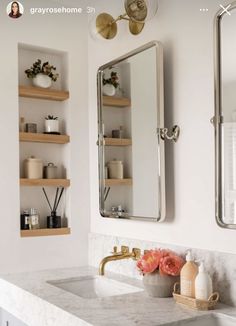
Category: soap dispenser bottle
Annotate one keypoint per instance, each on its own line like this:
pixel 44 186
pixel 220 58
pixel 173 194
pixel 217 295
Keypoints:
pixel 203 284
pixel 187 277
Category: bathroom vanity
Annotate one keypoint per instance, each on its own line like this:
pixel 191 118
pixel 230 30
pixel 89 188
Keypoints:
pixel 36 301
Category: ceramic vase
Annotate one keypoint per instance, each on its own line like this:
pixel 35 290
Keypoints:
pixel 51 126
pixel 42 80
pixel 160 286
pixel 109 90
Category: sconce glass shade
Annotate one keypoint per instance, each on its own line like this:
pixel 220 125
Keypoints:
pixel 141 10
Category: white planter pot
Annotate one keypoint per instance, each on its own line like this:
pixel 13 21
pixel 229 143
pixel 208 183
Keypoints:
pixel 108 90
pixel 42 80
pixel 51 126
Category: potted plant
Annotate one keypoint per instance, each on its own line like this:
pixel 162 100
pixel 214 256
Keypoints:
pixel 51 125
pixel 110 84
pixel 160 269
pixel 42 75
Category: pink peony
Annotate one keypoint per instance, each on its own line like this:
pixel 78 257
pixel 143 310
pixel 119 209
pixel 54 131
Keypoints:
pixel 149 261
pixel 166 261
pixel 171 265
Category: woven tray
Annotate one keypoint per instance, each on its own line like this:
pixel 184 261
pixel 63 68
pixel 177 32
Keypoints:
pixel 195 303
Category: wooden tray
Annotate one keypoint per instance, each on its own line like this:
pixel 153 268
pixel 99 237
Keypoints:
pixel 195 303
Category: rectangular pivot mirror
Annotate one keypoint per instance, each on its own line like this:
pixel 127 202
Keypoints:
pixel 225 116
pixel 131 152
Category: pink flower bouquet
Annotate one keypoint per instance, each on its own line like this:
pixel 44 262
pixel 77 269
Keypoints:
pixel 166 262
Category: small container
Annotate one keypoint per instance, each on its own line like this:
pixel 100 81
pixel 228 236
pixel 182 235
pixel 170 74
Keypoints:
pixel 33 168
pixel 33 219
pixel 53 221
pixel 22 124
pixel 119 133
pixel 50 171
pixel 188 274
pixel 203 284
pixel 115 168
pixel 31 127
pixel 24 220
pixel 51 126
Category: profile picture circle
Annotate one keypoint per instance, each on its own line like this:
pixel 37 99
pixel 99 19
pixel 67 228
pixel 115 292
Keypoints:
pixel 15 9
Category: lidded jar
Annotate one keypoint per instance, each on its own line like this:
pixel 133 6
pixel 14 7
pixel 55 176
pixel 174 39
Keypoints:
pixel 33 168
pixel 50 171
pixel 116 170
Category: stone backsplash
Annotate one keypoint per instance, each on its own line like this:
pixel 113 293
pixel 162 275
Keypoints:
pixel 221 266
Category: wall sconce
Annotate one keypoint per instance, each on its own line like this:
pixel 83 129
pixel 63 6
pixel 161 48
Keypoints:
pixel 137 13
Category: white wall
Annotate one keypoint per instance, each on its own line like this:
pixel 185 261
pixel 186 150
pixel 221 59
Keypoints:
pixel 187 37
pixel 64 33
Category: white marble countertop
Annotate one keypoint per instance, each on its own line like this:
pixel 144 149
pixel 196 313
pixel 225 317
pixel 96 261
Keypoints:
pixel 30 298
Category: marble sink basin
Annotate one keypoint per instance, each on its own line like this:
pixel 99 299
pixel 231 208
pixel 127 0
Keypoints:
pixel 210 320
pixel 90 287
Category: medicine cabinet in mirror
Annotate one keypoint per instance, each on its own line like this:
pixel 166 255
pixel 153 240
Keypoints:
pixel 225 116
pixel 130 122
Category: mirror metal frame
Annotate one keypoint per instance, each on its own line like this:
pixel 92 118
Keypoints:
pixel 161 144
pixel 217 119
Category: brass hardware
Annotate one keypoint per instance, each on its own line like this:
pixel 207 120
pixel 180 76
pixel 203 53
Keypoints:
pixel 136 13
pixel 135 28
pixel 174 133
pixel 123 254
pixel 114 250
pixel 106 26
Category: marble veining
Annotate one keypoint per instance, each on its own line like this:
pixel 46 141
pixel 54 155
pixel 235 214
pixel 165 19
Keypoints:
pixel 221 266
pixel 33 300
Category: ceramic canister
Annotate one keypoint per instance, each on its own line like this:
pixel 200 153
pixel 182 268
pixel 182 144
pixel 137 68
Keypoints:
pixel 50 171
pixel 33 168
pixel 115 169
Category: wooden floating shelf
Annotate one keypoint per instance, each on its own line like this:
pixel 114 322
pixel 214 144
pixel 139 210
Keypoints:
pixel 43 93
pixel 118 141
pixel 44 232
pixel 118 182
pixel 44 138
pixel 45 182
pixel 116 101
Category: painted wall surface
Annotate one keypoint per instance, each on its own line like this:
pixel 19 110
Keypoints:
pixel 187 37
pixel 66 33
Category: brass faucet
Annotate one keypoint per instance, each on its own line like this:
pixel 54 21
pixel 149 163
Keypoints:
pixel 123 254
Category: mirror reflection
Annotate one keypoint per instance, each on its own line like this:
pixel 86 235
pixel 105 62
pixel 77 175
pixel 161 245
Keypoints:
pixel 225 118
pixel 131 153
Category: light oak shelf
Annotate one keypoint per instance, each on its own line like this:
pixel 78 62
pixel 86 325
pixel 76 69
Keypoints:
pixel 118 141
pixel 44 138
pixel 45 182
pixel 118 182
pixel 44 232
pixel 43 93
pixel 116 101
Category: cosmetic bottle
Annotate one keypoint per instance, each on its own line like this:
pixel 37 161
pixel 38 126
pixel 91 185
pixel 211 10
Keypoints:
pixel 33 219
pixel 24 220
pixel 203 284
pixel 187 277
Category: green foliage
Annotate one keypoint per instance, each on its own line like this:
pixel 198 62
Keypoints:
pixel 51 117
pixel 113 80
pixel 38 68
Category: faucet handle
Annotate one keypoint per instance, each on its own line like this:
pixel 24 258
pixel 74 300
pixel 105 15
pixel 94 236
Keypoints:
pixel 136 253
pixel 114 250
pixel 124 249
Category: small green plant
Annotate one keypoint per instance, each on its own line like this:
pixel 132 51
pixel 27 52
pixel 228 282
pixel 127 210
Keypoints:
pixel 113 80
pixel 51 117
pixel 39 68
